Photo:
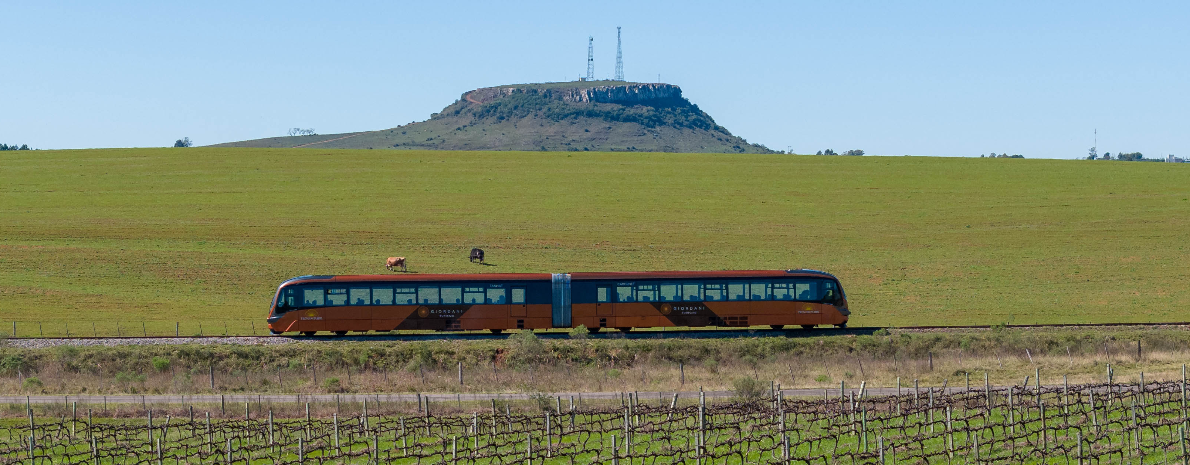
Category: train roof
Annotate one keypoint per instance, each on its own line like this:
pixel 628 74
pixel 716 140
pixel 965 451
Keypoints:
pixel 414 277
pixel 579 276
pixel 698 274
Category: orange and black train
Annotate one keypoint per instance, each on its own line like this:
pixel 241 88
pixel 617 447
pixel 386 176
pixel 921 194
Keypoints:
pixel 496 302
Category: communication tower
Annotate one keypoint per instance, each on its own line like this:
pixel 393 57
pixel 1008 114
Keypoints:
pixel 619 57
pixel 590 58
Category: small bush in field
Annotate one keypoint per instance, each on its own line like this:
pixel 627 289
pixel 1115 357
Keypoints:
pixel 31 383
pixel 822 378
pixel 160 364
pixel 579 333
pixel 711 365
pixel 333 385
pixel 544 402
pixel 748 389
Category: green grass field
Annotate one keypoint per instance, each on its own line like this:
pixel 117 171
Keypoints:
pixel 206 234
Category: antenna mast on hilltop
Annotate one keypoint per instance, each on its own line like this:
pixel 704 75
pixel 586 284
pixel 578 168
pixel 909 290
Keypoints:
pixel 590 58
pixel 619 57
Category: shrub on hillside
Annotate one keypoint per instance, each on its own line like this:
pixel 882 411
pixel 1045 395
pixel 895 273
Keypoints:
pixel 31 383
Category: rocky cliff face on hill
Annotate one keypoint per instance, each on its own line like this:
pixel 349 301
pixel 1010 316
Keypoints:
pixel 623 94
pixel 568 116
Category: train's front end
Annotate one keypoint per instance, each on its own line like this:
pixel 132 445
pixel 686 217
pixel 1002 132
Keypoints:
pixel 284 315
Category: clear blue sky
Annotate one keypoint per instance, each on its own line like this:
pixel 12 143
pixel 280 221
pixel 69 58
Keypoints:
pixel 891 78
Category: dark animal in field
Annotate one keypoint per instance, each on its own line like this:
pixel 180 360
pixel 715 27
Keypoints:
pixel 477 254
pixel 394 262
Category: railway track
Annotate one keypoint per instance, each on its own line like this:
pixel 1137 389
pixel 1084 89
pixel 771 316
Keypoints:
pixel 35 342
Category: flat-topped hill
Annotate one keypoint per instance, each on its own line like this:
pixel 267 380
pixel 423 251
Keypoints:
pixel 558 116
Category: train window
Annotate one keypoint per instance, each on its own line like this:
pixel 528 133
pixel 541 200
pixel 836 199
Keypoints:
pixel 336 296
pixel 452 295
pixel 427 294
pixel 805 290
pixel 312 297
pixel 359 296
pixel 646 292
pixel 670 292
pixel 830 292
pixel 496 296
pixel 603 294
pixel 737 291
pixel 759 291
pixel 712 291
pixel 692 292
pixel 405 296
pixel 781 291
pixel 473 295
pixel 285 300
pixel 624 294
pixel 382 296
pixel 518 295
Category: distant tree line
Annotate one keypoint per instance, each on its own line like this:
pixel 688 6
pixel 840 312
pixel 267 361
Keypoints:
pixel 1002 155
pixel 183 142
pixel 849 153
pixel 1131 156
pixel 14 147
pixel 301 132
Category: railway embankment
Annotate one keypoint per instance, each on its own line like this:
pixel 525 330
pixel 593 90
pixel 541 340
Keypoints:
pixel 526 363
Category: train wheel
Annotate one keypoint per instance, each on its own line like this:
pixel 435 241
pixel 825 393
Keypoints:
pixel 496 331
pixel 777 326
pixel 841 326
pixel 340 333
pixel 808 326
pixel 624 330
pixel 308 333
pixel 592 330
pixel 274 332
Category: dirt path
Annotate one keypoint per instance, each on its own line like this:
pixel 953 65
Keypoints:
pixel 328 140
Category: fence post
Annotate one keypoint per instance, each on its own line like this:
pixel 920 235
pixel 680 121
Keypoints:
pixel 615 452
pixel 460 373
pixel 1182 439
pixel 1079 433
pixel 1183 390
pixel 987 391
pixel 702 409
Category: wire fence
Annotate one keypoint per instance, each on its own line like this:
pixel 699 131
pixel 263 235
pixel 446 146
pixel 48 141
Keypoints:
pixel 1083 424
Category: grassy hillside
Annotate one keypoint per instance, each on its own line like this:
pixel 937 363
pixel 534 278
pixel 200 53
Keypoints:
pixel 535 117
pixel 204 235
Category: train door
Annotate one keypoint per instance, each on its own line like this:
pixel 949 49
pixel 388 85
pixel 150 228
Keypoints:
pixel 519 305
pixel 604 305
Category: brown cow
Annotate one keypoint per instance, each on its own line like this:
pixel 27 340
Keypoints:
pixel 394 262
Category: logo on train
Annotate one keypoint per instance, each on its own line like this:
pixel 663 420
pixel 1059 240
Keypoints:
pixel 311 315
